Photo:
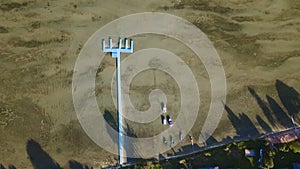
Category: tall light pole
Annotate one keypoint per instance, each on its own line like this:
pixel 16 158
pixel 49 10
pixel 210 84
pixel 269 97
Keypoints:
pixel 115 53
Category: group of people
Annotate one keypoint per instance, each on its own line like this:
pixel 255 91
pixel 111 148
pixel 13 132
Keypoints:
pixel 167 118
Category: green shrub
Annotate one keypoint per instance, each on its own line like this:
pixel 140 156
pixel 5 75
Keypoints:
pixel 295 146
pixel 241 145
pixel 284 148
pixel 268 161
pixel 207 154
pixel 251 160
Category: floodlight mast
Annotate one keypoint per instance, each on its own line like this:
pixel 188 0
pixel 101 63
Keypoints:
pixel 115 53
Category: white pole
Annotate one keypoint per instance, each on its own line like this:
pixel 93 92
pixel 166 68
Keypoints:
pixel 120 119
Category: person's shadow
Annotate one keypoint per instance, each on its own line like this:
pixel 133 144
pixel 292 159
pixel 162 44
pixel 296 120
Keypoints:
pixel 38 157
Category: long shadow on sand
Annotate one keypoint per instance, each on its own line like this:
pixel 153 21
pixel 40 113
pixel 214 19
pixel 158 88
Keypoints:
pixel 244 127
pixel 38 157
pixel 42 160
pixel 276 116
pixel 289 97
pixel 76 165
pixel 1 166
pixel 263 124
pixel 263 105
pixel 281 117
pixel 9 167
pixel 242 124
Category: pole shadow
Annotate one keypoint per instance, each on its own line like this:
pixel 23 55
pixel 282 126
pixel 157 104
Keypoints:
pixel 129 146
pixel 111 121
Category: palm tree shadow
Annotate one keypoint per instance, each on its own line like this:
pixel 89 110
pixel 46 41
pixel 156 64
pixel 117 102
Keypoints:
pixel 280 115
pixel 289 97
pixel 11 167
pixel 1 166
pixel 38 157
pixel 76 165
pixel 242 124
pixel 263 124
pixel 267 112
